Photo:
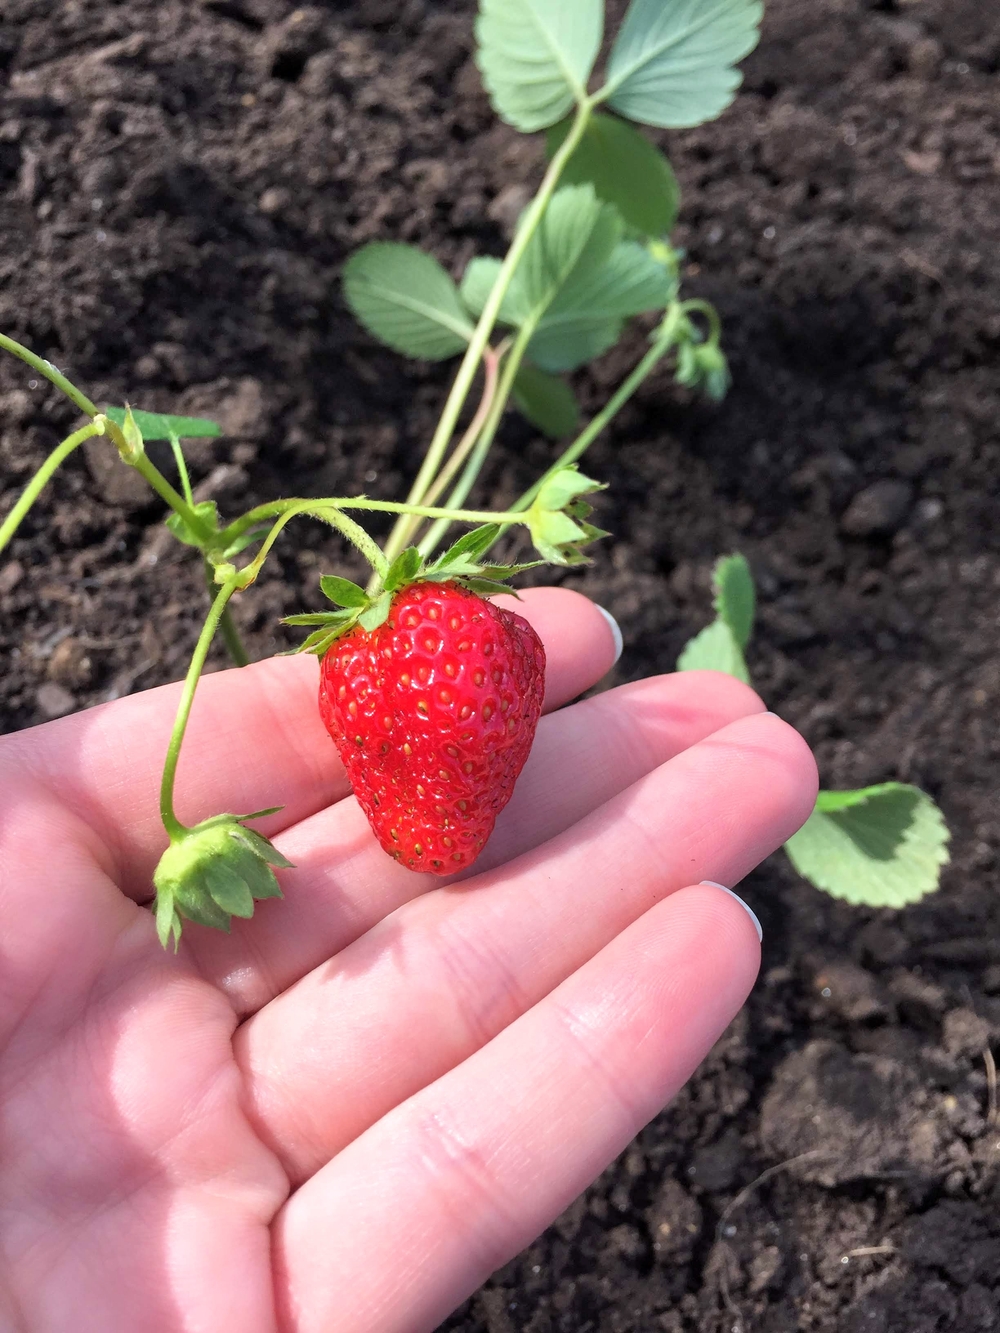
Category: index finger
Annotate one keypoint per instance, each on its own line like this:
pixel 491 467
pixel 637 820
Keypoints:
pixel 255 739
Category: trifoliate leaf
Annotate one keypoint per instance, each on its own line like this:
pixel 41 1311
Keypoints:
pixel 403 569
pixel 535 56
pixel 625 169
pixel 548 402
pixel 406 299
pixel 672 62
pixel 735 596
pixel 577 234
pixel 160 425
pixel 882 846
pixel 586 316
pixel 715 649
pixel 342 592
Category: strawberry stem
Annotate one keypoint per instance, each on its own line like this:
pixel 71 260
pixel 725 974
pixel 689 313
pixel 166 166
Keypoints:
pixel 42 477
pixel 171 823
pixel 54 376
pixel 480 338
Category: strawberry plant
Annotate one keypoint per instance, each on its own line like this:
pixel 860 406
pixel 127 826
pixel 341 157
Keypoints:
pixel 430 692
pixel 880 846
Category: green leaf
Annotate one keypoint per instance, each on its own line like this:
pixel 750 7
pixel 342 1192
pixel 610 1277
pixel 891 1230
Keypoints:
pixel 403 569
pixel 160 426
pixel 577 233
pixel 406 299
pixel 167 921
pixel 557 534
pixel 247 539
pixel 342 592
pixel 672 62
pixel 535 56
pixel 376 614
pixel 625 169
pixel 488 587
pixel 715 649
pixel 256 873
pixel 570 348
pixel 548 402
pixel 735 596
pixel 207 509
pixel 227 888
pixel 330 618
pixel 263 847
pixel 586 316
pixel 319 641
pixel 472 544
pixel 477 283
pixel 882 846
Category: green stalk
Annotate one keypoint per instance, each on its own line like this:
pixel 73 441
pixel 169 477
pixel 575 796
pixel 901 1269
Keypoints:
pixel 594 427
pixel 331 511
pixel 407 528
pixel 42 477
pixel 475 464
pixel 54 376
pixel 477 344
pixel 227 626
pixel 171 823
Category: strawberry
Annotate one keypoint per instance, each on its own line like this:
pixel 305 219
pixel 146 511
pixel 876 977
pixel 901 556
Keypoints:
pixel 433 713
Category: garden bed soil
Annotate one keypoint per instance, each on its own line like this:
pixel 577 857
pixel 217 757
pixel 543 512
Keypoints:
pixel 180 184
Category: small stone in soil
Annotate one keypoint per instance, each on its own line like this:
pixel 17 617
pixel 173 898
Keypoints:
pixel 879 510
pixel 54 700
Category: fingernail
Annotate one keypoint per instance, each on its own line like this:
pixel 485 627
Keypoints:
pixel 615 630
pixel 749 910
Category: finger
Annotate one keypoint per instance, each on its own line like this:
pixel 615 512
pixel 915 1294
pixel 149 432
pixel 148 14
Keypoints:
pixel 343 883
pixel 255 740
pixel 455 1181
pixel 428 986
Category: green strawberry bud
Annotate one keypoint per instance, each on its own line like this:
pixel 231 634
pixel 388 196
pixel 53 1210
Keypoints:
pixel 213 872
pixel 713 370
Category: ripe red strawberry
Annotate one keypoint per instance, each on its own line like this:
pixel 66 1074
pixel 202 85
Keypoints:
pixel 433 714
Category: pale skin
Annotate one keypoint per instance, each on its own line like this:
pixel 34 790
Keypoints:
pixel 346 1114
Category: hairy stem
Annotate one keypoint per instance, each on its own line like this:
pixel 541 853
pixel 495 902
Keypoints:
pixel 227 626
pixel 170 821
pixel 480 338
pixel 49 371
pixel 42 477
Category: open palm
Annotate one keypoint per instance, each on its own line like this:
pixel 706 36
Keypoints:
pixel 347 1113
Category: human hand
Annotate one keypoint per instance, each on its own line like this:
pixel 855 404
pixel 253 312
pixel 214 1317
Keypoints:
pixel 347 1113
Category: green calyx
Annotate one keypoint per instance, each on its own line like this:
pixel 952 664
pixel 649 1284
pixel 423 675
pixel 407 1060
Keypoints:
pixel 462 563
pixel 558 514
pixel 213 872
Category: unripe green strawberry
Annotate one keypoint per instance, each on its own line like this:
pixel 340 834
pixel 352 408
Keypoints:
pixel 434 713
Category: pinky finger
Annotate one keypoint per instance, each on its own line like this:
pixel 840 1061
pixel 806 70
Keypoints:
pixel 407 1221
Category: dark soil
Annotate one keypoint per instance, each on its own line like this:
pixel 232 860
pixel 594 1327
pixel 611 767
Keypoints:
pixel 180 183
